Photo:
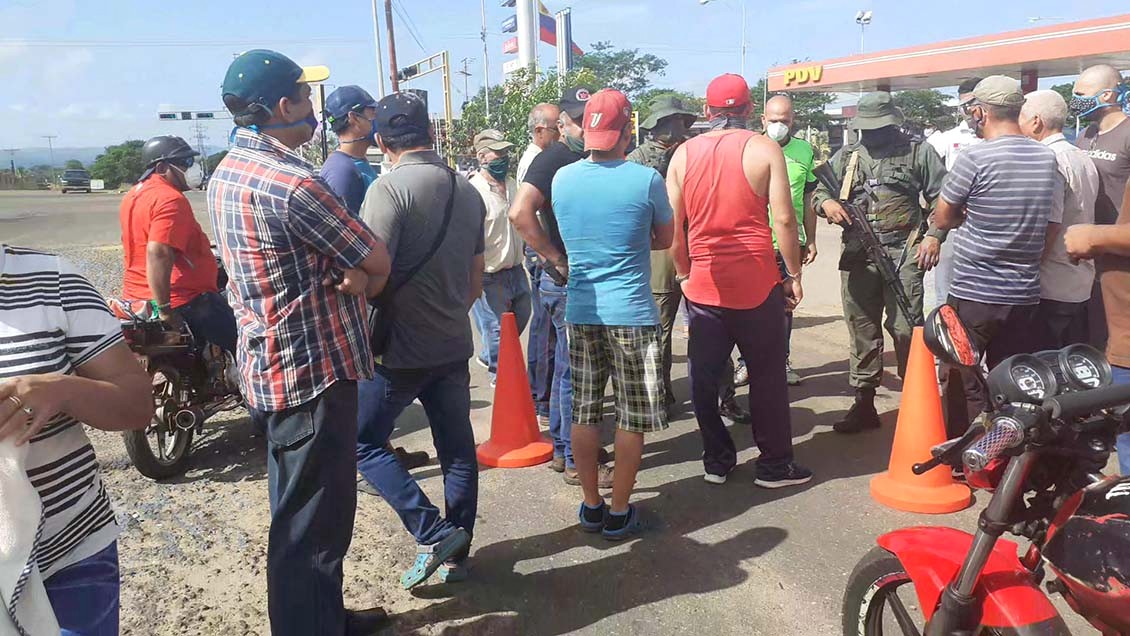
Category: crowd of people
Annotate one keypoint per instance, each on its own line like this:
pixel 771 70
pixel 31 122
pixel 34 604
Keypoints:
pixel 351 296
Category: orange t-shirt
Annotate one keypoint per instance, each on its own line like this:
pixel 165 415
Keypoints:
pixel 154 210
pixel 728 234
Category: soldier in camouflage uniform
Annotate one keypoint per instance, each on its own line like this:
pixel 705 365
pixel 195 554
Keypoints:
pixel 664 130
pixel 884 173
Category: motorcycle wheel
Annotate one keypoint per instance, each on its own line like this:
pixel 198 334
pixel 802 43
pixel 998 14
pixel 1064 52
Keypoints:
pixel 161 450
pixel 880 599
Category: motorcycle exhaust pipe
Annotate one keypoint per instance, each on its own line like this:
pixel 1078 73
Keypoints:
pixel 185 419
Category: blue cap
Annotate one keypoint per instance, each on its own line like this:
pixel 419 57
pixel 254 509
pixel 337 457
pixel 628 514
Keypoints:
pixel 264 77
pixel 402 114
pixel 347 99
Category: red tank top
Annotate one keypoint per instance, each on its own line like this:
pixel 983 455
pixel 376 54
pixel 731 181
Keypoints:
pixel 728 234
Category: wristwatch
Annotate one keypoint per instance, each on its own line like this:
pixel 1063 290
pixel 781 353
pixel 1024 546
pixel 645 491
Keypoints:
pixel 681 278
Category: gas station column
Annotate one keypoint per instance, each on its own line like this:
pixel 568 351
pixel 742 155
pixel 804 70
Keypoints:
pixel 1029 80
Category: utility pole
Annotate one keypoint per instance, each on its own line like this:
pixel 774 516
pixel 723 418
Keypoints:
pixel 51 148
pixel 12 158
pixel 466 78
pixel 198 130
pixel 486 65
pixel 393 68
pixel 377 46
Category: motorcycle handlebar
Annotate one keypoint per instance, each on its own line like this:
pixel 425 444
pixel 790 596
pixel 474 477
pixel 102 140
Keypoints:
pixel 1005 433
pixel 1085 402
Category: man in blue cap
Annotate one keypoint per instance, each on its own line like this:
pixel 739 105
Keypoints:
pixel 301 266
pixel 349 112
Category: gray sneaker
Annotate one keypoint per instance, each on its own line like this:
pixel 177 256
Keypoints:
pixel 741 374
pixel 792 376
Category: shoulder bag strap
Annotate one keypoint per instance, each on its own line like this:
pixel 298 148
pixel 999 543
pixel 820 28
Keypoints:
pixel 384 297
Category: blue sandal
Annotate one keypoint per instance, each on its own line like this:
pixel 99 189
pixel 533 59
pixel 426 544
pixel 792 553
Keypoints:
pixel 630 528
pixel 592 526
pixel 429 558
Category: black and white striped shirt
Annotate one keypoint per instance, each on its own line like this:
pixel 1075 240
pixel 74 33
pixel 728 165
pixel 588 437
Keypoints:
pixel 52 320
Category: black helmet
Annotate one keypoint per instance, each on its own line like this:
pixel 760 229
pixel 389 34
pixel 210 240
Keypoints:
pixel 165 148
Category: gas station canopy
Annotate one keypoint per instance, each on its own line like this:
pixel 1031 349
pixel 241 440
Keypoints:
pixel 1028 54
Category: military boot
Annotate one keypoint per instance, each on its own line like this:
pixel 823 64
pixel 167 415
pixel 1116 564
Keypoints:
pixel 861 416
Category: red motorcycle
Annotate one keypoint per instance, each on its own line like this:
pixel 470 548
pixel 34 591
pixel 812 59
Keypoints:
pixel 1040 452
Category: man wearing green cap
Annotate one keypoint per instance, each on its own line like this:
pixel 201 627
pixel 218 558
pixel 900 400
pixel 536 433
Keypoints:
pixel 300 265
pixel 884 174
pixel 665 129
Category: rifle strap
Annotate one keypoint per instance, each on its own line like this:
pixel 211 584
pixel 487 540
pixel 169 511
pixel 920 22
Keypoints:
pixel 849 176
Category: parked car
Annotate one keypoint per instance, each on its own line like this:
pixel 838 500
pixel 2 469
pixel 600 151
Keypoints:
pixel 74 180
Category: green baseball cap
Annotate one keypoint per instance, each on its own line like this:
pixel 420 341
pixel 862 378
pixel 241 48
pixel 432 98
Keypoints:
pixel 999 90
pixel 876 110
pixel 666 106
pixel 264 77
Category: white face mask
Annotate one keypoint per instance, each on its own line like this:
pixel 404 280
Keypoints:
pixel 193 177
pixel 777 131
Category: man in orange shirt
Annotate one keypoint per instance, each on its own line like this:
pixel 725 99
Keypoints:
pixel 168 256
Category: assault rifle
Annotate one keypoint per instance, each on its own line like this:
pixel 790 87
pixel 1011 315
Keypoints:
pixel 863 231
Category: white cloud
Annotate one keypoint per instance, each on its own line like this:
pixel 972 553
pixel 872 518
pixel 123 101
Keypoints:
pixel 72 110
pixel 19 108
pixel 60 71
pixel 12 52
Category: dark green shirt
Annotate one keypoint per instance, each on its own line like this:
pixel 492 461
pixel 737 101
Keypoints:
pixel 651 154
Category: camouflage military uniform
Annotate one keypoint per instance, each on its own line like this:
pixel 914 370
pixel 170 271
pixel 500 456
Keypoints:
pixel 886 184
pixel 664 289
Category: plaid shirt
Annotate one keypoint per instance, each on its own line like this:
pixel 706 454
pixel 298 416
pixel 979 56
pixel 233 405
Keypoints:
pixel 281 230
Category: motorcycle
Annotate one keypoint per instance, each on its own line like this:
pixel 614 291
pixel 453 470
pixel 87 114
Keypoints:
pixel 191 383
pixel 1040 450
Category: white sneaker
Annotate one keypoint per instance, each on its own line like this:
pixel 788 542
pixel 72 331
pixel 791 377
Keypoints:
pixel 714 479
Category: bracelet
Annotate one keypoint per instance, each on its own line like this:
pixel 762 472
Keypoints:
pixel 681 278
pixel 789 275
pixel 166 307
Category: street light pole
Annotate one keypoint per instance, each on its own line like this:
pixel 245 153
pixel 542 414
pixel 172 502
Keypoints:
pixel 486 63
pixel 743 42
pixel 377 46
pixel 50 148
pixel 862 18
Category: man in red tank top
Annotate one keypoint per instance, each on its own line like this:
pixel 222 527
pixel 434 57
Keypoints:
pixel 721 184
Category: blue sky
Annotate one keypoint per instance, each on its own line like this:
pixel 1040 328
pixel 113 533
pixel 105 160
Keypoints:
pixel 95 73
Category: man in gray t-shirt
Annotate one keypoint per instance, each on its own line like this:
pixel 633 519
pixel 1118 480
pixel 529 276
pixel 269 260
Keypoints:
pixel 429 339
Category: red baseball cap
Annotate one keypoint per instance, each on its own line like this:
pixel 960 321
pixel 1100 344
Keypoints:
pixel 606 114
pixel 726 91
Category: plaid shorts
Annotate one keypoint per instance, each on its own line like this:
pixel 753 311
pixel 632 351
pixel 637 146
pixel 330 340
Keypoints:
pixel 632 357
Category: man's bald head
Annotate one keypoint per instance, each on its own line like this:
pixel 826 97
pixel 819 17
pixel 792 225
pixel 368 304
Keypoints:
pixel 542 124
pixel 1100 77
pixel 779 108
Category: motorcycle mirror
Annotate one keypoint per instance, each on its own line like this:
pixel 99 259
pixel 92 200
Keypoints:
pixel 949 339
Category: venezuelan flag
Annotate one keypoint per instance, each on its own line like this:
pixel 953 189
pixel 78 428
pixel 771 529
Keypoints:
pixel 548 29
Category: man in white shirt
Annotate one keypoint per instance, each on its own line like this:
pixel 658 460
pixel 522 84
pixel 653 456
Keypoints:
pixel 505 287
pixel 1065 286
pixel 949 144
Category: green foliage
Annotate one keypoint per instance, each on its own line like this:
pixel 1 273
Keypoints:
pixel 625 69
pixel 642 102
pixel 808 107
pixel 1065 91
pixel 73 164
pixel 214 160
pixel 119 164
pixel 926 108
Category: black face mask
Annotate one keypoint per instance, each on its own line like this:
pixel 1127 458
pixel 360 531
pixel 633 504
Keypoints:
pixel 880 137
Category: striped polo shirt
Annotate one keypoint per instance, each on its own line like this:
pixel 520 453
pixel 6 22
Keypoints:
pixel 1008 186
pixel 53 321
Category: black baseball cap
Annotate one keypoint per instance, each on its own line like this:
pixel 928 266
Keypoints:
pixel 573 101
pixel 264 77
pixel 402 114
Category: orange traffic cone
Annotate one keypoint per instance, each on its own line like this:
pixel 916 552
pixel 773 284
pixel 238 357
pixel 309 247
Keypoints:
pixel 920 427
pixel 514 438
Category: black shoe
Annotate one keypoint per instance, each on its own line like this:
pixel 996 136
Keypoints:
pixel 410 460
pixel 365 622
pixel 731 411
pixel 791 475
pixel 861 416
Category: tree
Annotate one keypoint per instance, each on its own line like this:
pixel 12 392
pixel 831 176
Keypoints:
pixel 625 69
pixel 119 164
pixel 808 106
pixel 73 164
pixel 214 160
pixel 926 108
pixel 1065 91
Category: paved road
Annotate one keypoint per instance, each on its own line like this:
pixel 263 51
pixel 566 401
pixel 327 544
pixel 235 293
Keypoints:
pixel 716 559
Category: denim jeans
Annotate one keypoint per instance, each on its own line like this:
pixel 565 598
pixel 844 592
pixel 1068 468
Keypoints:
pixel 1122 376
pixel 85 595
pixel 312 479
pixel 553 299
pixel 480 313
pixel 503 291
pixel 445 392
pixel 211 319
pixel 540 349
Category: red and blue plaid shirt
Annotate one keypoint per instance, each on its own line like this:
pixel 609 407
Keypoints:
pixel 281 230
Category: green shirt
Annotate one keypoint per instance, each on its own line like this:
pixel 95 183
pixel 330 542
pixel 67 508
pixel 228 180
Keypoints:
pixel 800 161
pixel 652 155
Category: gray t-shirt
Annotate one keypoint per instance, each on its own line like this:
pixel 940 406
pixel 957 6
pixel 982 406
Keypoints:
pixel 405 209
pixel 1111 153
pixel 1010 187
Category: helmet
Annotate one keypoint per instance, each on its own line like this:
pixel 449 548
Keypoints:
pixel 165 148
pixel 1088 549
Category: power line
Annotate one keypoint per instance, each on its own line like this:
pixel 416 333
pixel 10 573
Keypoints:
pixel 175 43
pixel 409 24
